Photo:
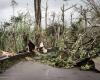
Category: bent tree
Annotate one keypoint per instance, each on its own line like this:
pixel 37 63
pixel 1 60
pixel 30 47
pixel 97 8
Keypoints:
pixel 38 31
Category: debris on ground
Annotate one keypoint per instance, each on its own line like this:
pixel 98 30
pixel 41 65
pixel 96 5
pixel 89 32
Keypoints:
pixel 7 54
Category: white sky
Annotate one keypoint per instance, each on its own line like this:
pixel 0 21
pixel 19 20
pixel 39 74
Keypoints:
pixel 54 6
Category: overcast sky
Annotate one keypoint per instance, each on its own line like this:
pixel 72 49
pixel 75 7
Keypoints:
pixel 54 6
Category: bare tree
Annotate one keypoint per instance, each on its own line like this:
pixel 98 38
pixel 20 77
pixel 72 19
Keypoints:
pixel 95 10
pixel 71 21
pixel 63 15
pixel 46 14
pixel 63 10
pixel 13 4
pixel 37 9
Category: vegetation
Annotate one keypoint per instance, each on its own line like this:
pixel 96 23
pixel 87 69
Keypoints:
pixel 76 41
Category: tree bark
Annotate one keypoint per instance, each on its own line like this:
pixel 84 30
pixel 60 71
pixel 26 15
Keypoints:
pixel 46 15
pixel 37 9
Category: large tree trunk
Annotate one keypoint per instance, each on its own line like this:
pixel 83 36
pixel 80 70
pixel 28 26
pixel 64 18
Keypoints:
pixel 37 8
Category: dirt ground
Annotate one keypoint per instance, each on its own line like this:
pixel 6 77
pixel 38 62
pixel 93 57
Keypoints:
pixel 29 70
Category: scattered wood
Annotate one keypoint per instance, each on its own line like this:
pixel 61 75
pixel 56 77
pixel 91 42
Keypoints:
pixel 7 54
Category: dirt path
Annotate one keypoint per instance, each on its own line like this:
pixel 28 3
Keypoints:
pixel 35 71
